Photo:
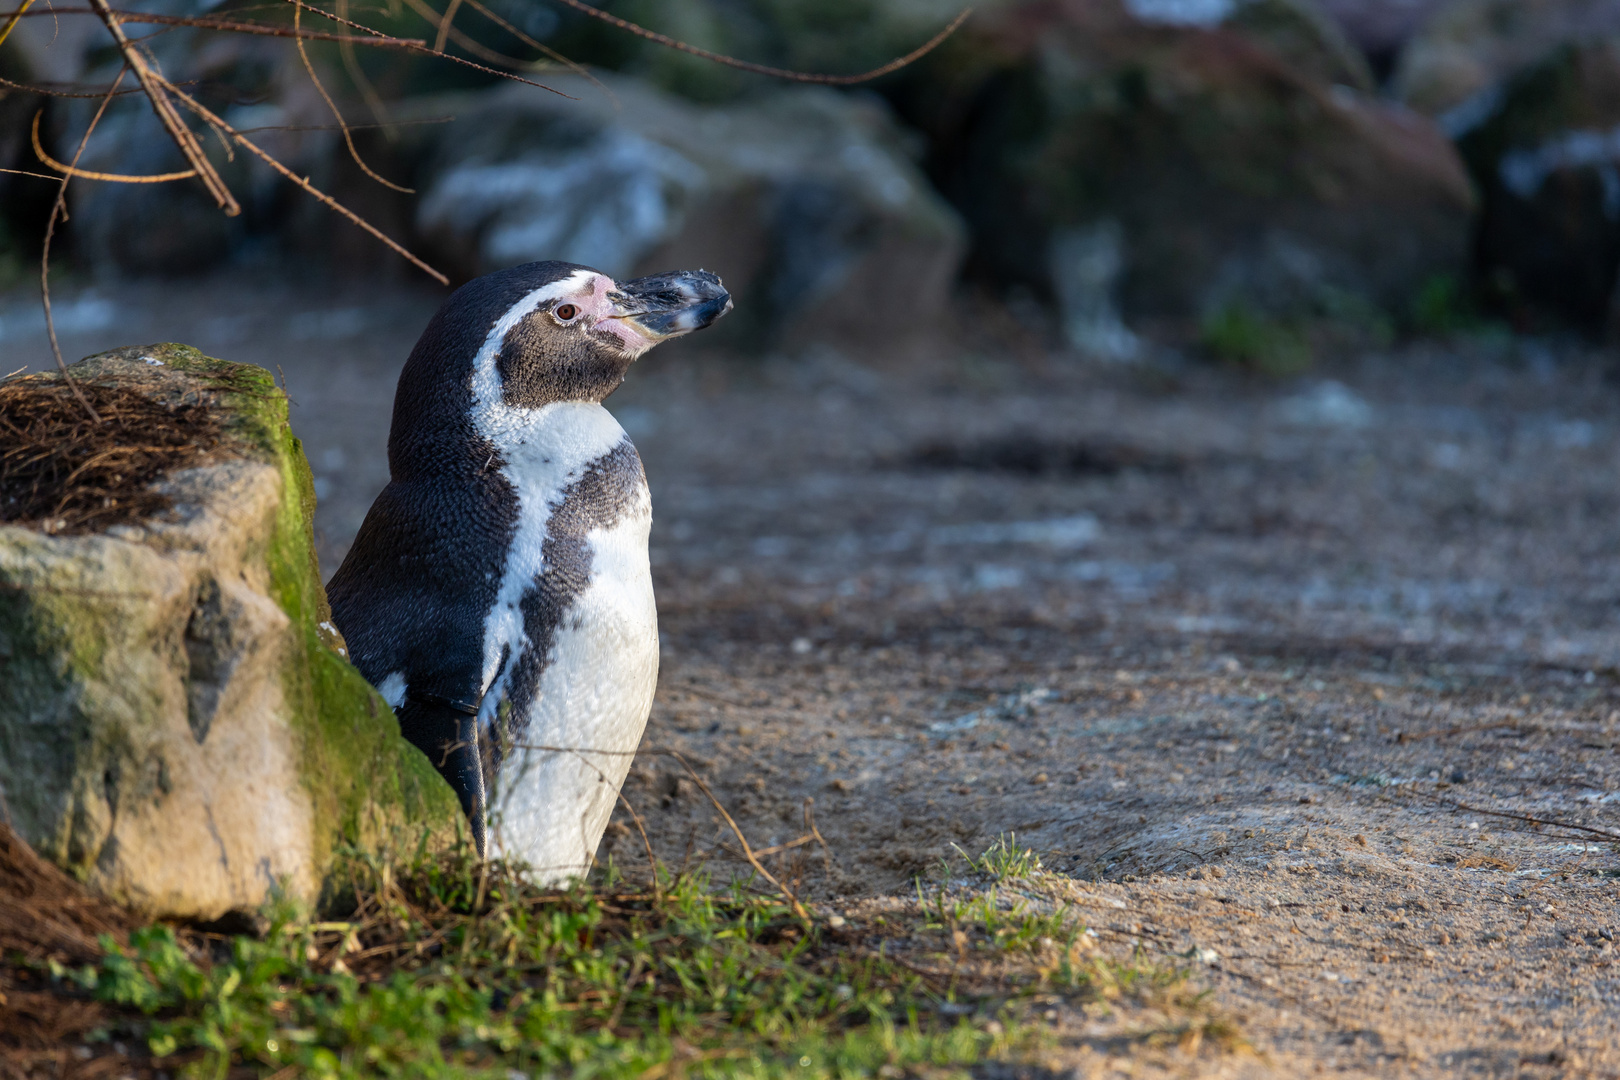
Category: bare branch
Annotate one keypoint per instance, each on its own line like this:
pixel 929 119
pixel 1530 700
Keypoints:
pixel 153 84
pixel 59 212
pixel 13 19
pixel 444 25
pixel 748 852
pixel 761 69
pixel 421 48
pixel 472 45
pixel 348 139
pixel 196 107
pixel 49 90
pixel 351 62
pixel 87 174
pixel 544 50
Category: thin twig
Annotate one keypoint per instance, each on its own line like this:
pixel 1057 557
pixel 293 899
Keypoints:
pixel 87 174
pixel 48 89
pixel 1604 833
pixel 253 147
pixel 428 14
pixel 444 25
pixel 348 139
pixel 545 50
pixel 357 75
pixel 1465 729
pixel 59 211
pixel 652 860
pixel 761 69
pixel 777 849
pixel 11 23
pixel 235 26
pixel 154 85
pixel 423 49
pixel 748 852
pixel 35 175
pixel 810 823
pixel 636 966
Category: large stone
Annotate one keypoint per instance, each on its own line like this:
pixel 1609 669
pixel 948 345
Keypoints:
pixel 804 201
pixel 1547 159
pixel 1456 66
pixel 179 728
pixel 1199 164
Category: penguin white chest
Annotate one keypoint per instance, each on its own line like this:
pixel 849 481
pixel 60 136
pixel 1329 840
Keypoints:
pixel 571 647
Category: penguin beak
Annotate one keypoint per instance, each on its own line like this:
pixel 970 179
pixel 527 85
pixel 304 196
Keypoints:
pixel 664 306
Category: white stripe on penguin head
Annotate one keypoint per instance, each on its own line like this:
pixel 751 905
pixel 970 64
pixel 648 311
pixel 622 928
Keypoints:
pixel 543 450
pixel 486 384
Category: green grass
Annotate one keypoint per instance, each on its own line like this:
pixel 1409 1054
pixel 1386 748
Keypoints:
pixel 448 968
pixel 1004 860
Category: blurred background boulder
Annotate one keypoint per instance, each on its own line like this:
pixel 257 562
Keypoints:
pixel 805 201
pixel 1460 60
pixel 1207 156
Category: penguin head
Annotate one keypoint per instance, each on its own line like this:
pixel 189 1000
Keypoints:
pixel 573 337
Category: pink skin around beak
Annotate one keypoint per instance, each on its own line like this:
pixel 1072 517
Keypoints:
pixel 638 314
pixel 604 316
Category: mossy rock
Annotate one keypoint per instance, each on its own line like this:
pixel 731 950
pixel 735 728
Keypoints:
pixel 179 727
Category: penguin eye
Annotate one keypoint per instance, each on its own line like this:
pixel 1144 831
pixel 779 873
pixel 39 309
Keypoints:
pixel 565 312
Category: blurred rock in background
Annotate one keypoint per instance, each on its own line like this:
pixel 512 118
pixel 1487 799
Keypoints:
pixel 1224 154
pixel 1454 68
pixel 804 201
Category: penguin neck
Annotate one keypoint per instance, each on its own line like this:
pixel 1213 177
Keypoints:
pixel 555 440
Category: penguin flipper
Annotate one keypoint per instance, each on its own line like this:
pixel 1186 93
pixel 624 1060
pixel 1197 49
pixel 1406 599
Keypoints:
pixel 450 739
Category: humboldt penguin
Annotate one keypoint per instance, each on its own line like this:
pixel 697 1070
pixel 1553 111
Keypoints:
pixel 498 594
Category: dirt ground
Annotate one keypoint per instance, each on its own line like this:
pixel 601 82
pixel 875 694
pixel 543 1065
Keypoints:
pixel 1275 672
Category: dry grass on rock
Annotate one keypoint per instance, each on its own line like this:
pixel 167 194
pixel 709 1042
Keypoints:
pixel 63 471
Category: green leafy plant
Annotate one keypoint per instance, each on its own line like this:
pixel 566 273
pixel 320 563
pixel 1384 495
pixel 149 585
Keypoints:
pixel 1238 334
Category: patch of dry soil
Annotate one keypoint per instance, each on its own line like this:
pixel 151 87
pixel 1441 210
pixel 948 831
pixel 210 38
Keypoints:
pixel 1278 672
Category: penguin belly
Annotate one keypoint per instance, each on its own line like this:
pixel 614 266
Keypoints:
pixel 573 650
pixel 551 806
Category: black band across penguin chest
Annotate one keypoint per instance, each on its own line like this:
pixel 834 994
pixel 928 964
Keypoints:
pixel 607 490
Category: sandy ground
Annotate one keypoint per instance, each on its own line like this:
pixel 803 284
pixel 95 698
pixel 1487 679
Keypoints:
pixel 1274 672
